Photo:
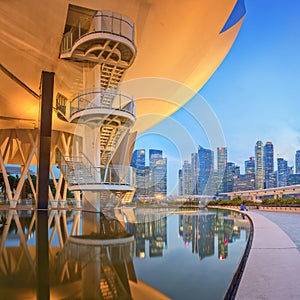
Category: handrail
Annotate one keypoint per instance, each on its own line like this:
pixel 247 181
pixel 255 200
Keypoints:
pixel 102 23
pixel 97 98
pixel 112 175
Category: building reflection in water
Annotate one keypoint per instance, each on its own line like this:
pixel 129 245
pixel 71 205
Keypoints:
pixel 60 254
pixel 200 231
pixel 97 264
pixel 149 227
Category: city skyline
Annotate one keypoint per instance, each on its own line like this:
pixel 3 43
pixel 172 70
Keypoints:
pixel 253 93
pixel 226 176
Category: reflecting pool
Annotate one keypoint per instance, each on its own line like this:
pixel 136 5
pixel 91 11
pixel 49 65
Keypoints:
pixel 126 254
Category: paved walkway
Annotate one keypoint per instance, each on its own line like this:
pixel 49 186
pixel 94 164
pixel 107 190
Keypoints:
pixel 288 222
pixel 272 270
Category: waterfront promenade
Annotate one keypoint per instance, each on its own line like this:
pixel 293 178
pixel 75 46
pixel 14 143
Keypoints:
pixel 272 270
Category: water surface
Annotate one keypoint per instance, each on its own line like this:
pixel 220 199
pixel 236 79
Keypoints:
pixel 136 254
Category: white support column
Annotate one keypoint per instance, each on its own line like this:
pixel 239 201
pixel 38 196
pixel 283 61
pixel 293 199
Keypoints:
pixel 26 167
pixel 58 188
pixel 77 198
pixel 5 178
pixel 23 240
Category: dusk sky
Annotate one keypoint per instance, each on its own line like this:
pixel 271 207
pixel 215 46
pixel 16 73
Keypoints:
pixel 254 94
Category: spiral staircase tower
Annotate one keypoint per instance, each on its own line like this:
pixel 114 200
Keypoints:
pixel 103 43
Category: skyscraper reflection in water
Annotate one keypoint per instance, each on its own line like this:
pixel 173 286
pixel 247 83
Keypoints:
pixel 80 255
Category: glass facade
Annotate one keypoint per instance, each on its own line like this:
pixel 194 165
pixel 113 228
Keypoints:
pixel 195 174
pixel 268 163
pixel 187 178
pixel 180 185
pixel 150 180
pixel 259 171
pixel 206 171
pixel 282 172
pixel 297 162
pixel 138 162
pixel 231 172
pixel 221 166
pixel 250 166
pixel 158 173
pixel 244 182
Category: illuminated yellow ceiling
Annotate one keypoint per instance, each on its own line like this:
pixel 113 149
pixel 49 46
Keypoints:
pixel 175 40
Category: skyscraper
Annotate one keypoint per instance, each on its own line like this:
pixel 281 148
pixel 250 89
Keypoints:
pixel 268 163
pixel 138 162
pixel 195 174
pixel 187 178
pixel 221 166
pixel 180 185
pixel 206 171
pixel 231 171
pixel 250 166
pixel 244 182
pixel 158 173
pixel 282 172
pixel 297 162
pixel 154 155
pixel 259 171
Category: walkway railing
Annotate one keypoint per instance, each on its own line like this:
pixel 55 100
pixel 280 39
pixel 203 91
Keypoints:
pixel 95 98
pixel 78 170
pixel 104 21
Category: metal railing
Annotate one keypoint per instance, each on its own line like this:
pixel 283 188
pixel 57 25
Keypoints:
pixel 61 103
pixel 95 98
pixel 78 170
pixel 103 21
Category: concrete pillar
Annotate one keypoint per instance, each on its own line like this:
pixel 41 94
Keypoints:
pixel 45 128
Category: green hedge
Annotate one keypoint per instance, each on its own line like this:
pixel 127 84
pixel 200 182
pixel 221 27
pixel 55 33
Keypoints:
pixel 238 201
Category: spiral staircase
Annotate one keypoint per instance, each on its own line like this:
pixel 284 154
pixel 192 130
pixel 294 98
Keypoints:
pixel 103 41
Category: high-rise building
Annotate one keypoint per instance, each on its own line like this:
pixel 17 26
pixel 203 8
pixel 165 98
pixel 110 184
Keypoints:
pixel 282 172
pixel 297 162
pixel 250 166
pixel 187 178
pixel 147 181
pixel 221 166
pixel 273 180
pixel 154 155
pixel 138 162
pixel 150 180
pixel 290 170
pixel 180 183
pixel 195 174
pixel 231 171
pixel 259 170
pixel 206 171
pixel 244 182
pixel 268 159
pixel 293 179
pixel 158 173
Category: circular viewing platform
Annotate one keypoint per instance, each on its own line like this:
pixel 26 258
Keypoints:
pixel 105 37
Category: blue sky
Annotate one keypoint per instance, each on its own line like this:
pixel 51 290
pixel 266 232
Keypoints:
pixel 254 93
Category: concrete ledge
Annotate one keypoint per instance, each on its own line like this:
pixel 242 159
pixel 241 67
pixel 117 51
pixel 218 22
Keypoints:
pixel 290 209
pixel 273 266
